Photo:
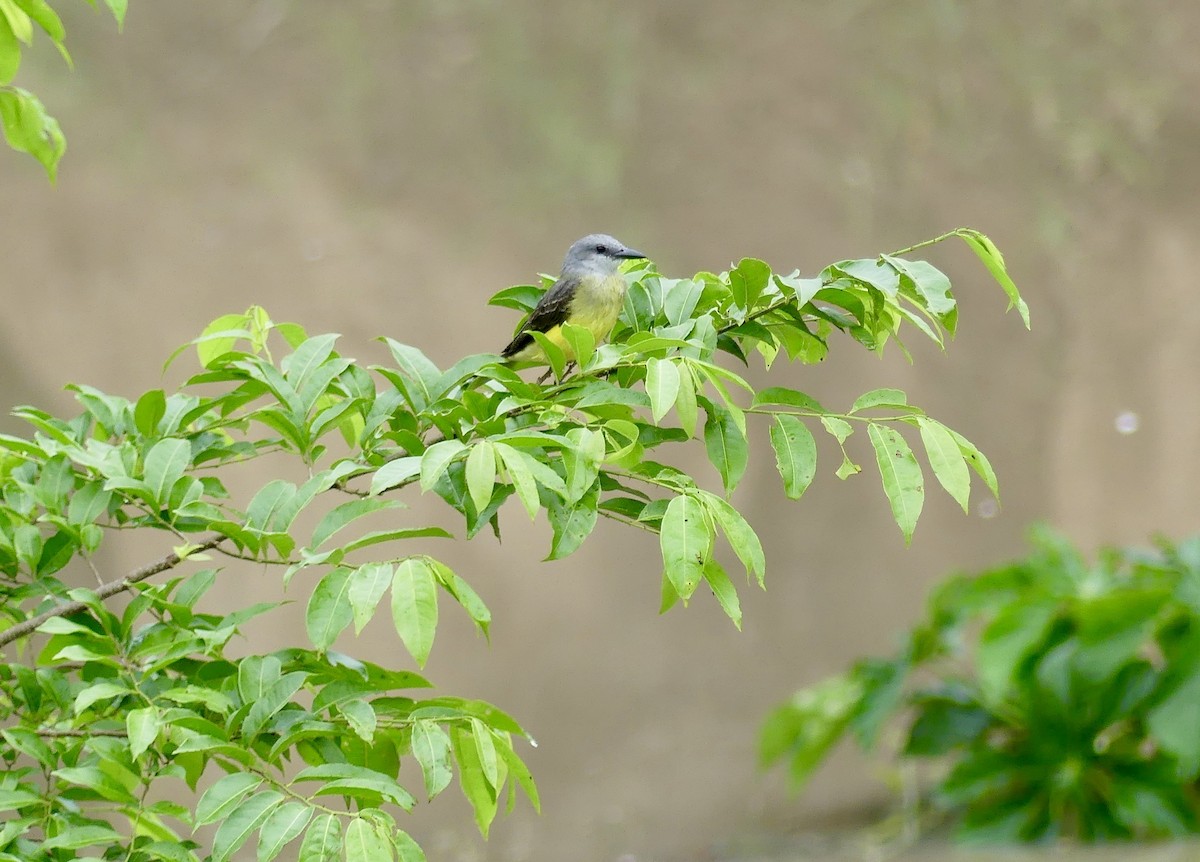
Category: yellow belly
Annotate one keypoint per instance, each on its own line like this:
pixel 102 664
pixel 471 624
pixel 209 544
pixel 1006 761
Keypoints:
pixel 596 307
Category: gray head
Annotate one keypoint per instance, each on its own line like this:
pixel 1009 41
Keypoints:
pixel 597 253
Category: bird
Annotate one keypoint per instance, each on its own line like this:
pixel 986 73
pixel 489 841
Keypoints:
pixel 590 293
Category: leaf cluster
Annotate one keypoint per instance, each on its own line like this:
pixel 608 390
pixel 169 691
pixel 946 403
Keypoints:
pixel 312 745
pixel 27 126
pixel 1056 696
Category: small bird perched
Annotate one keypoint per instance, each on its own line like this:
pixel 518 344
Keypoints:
pixel 589 293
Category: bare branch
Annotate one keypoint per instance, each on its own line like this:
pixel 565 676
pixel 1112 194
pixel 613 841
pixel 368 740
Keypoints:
pixel 105 591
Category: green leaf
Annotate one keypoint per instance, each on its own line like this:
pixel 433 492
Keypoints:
pixel 787 398
pixel 475 786
pixel 947 461
pixel 395 473
pixel 431 748
pixel 1005 642
pixel 462 593
pixel 142 726
pixel 364 843
pixel 46 18
pixel 520 472
pixel 367 586
pixel 662 385
pixel 902 479
pixel 282 827
pixel 407 850
pixel 414 606
pixel 740 535
pixel 242 822
pixel 572 523
pixel 581 341
pixel 795 454
pixel 150 409
pixel 436 459
pixel 685 400
pixel 165 464
pixel 323 840
pixel 725 592
pixel 747 281
pixel 361 717
pixel 77 837
pixel 10 60
pixel 987 252
pixel 346 514
pixel 95 693
pixel 726 445
pixel 219 800
pixel 685 539
pixel 929 283
pixel 978 462
pixel 1173 723
pixel 421 374
pixel 329 608
pixel 880 398
pixel 273 699
pixel 117 8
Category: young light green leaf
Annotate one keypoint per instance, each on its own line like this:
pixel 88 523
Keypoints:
pixel 947 461
pixel 368 583
pixel 581 341
pixel 685 539
pixel 726 445
pixel 880 398
pixel 150 409
pixel 978 461
pixel 795 454
pixel 724 591
pixel 323 840
pixel 219 800
pixel 991 257
pixel 685 400
pixel 431 748
pixel 903 481
pixel 839 428
pixel 165 463
pixel 481 473
pixel 141 727
pixel 662 385
pixel 414 606
pixel 486 749
pixel 462 593
pixel 329 608
pixel 436 459
pixel 520 472
pixel 395 473
pixel 96 693
pixel 740 535
pixel 281 827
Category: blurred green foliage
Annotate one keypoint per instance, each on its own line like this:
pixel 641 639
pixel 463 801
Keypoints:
pixel 1056 697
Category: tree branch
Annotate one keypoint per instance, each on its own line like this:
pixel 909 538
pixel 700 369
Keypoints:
pixel 105 591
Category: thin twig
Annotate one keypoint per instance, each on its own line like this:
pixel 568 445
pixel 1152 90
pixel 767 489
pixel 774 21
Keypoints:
pixel 105 591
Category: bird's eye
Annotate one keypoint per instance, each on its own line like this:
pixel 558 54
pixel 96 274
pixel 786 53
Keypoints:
pixel 602 249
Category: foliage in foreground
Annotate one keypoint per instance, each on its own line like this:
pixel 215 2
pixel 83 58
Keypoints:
pixel 1056 697
pixel 106 711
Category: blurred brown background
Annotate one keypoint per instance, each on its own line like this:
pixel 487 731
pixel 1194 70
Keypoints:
pixel 372 167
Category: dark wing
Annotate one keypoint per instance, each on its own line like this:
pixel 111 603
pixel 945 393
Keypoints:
pixel 551 311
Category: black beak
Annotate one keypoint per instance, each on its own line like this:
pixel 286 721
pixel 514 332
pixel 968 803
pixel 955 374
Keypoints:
pixel 629 254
